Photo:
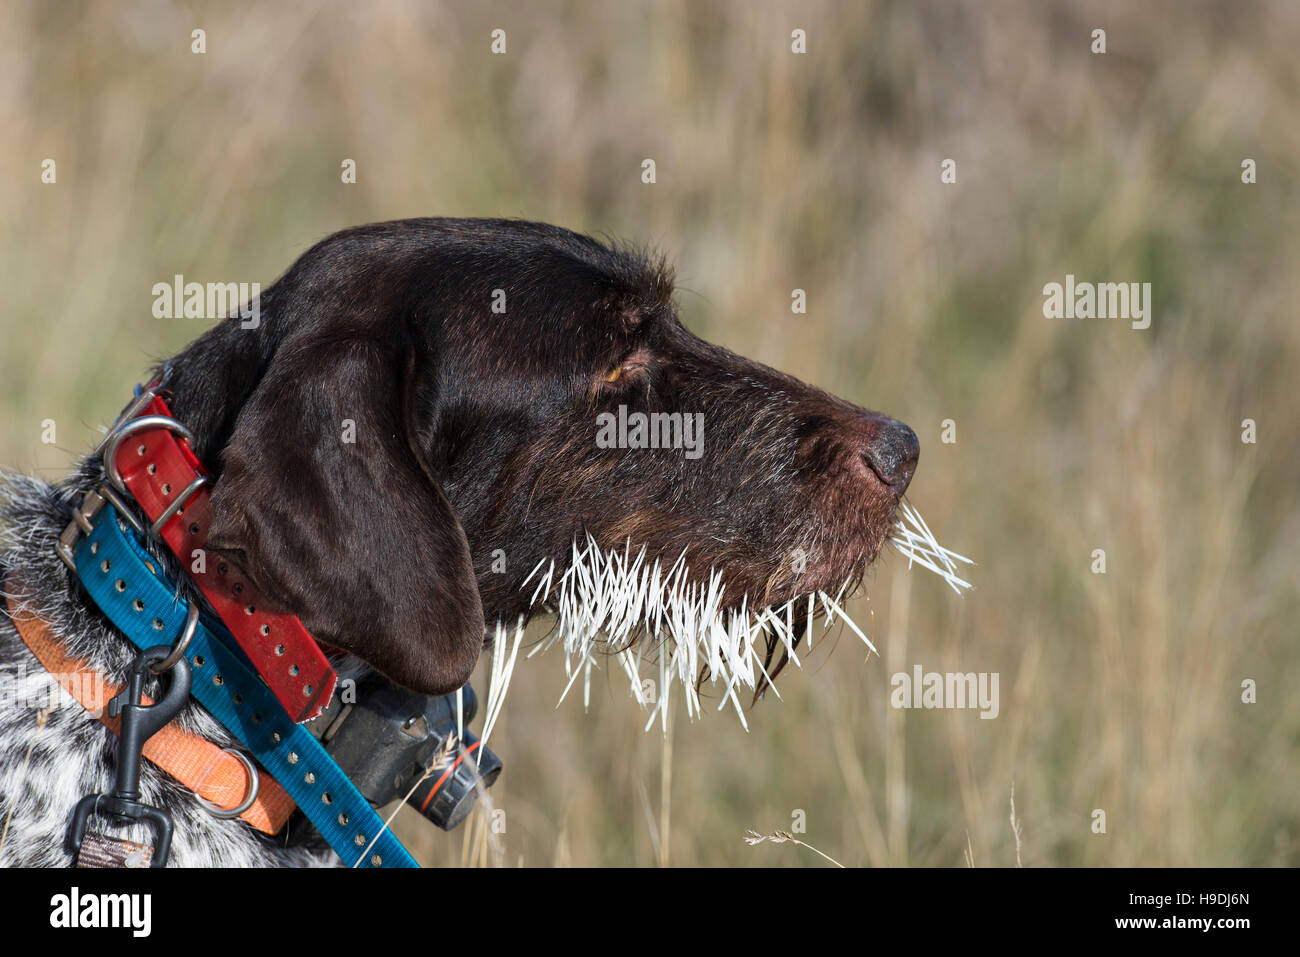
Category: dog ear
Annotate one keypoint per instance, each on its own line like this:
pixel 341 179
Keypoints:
pixel 325 502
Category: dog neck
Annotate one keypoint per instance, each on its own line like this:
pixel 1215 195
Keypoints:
pixel 33 514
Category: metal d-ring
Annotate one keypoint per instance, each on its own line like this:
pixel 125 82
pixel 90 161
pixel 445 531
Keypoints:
pixel 254 782
pixel 129 429
pixel 135 405
pixel 183 642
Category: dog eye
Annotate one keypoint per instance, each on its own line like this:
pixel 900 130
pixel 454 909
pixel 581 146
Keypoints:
pixel 628 368
pixel 617 372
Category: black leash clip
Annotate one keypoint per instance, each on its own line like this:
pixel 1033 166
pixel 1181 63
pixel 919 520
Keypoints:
pixel 140 722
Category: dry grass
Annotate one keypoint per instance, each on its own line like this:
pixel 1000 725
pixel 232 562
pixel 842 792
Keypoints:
pixel 1119 691
pixel 752 837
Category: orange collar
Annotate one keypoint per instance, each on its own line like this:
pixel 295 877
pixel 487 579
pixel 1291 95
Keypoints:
pixel 211 773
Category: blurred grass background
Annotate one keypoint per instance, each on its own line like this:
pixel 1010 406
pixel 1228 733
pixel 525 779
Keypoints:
pixel 775 171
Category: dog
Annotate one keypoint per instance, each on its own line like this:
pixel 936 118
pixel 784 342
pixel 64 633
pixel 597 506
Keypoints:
pixel 420 399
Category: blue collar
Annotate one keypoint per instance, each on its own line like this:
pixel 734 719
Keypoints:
pixel 130 588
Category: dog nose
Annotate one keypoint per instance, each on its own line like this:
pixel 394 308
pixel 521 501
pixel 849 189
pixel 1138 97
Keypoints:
pixel 892 453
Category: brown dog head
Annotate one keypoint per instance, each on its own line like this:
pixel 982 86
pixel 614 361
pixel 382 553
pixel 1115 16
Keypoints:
pixel 430 410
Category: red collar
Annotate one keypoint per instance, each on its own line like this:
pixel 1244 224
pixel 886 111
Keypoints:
pixel 148 457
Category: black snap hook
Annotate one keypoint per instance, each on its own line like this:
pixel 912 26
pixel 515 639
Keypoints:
pixel 140 722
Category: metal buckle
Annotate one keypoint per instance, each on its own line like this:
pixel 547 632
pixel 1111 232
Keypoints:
pixel 90 505
pixel 116 491
pixel 80 523
pixel 156 528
